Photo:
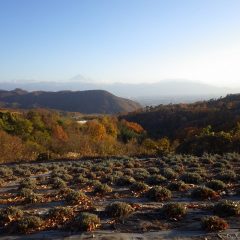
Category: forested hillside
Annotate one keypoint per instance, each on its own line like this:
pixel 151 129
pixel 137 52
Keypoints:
pixel 208 126
pixel 41 134
pixel 94 101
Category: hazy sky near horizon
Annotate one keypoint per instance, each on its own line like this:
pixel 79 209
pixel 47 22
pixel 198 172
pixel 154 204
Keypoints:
pixel 121 40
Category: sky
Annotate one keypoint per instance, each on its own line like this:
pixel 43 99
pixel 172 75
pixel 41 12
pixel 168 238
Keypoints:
pixel 121 40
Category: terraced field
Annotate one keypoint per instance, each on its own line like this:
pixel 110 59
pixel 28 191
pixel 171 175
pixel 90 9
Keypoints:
pixel 181 197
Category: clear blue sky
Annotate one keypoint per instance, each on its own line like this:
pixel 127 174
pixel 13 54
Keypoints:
pixel 120 40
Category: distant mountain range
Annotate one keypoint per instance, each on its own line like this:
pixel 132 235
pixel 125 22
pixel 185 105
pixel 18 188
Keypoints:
pixel 162 92
pixel 92 101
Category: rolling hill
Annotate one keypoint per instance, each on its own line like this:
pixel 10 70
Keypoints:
pixel 92 101
pixel 162 92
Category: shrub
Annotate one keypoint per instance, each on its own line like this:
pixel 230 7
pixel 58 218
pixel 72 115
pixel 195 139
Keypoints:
pixel 227 176
pixel 29 224
pixel 153 170
pixel 118 173
pixel 86 222
pixel 203 193
pixel 64 192
pixel 128 172
pixel 58 171
pixel 119 210
pixel 227 208
pixel 216 185
pixel 25 192
pixel 129 164
pixel 80 179
pixel 60 214
pixel 214 223
pixel 193 178
pixel 102 189
pixel 33 198
pixel 193 165
pixel 177 186
pixel 139 187
pixel 94 183
pixel 22 172
pixel 159 194
pixel 141 174
pixel 58 183
pixel 109 179
pixel 169 173
pixel 206 160
pixel 156 180
pixel 125 181
pixel 6 172
pixel 218 165
pixel 28 183
pixel 66 177
pixel 174 211
pixel 10 214
pixel 74 197
pixel 29 196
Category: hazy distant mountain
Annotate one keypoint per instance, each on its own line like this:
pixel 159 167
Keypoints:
pixel 92 101
pixel 151 94
pixel 165 88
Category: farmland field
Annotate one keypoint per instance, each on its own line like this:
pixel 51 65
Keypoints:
pixel 175 196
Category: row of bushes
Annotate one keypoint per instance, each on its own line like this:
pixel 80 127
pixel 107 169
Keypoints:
pixel 85 221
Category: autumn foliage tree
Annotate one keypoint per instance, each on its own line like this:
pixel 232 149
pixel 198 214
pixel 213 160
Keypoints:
pixel 59 133
pixel 137 128
pixel 160 146
pixel 129 131
pixel 95 129
pixel 11 148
